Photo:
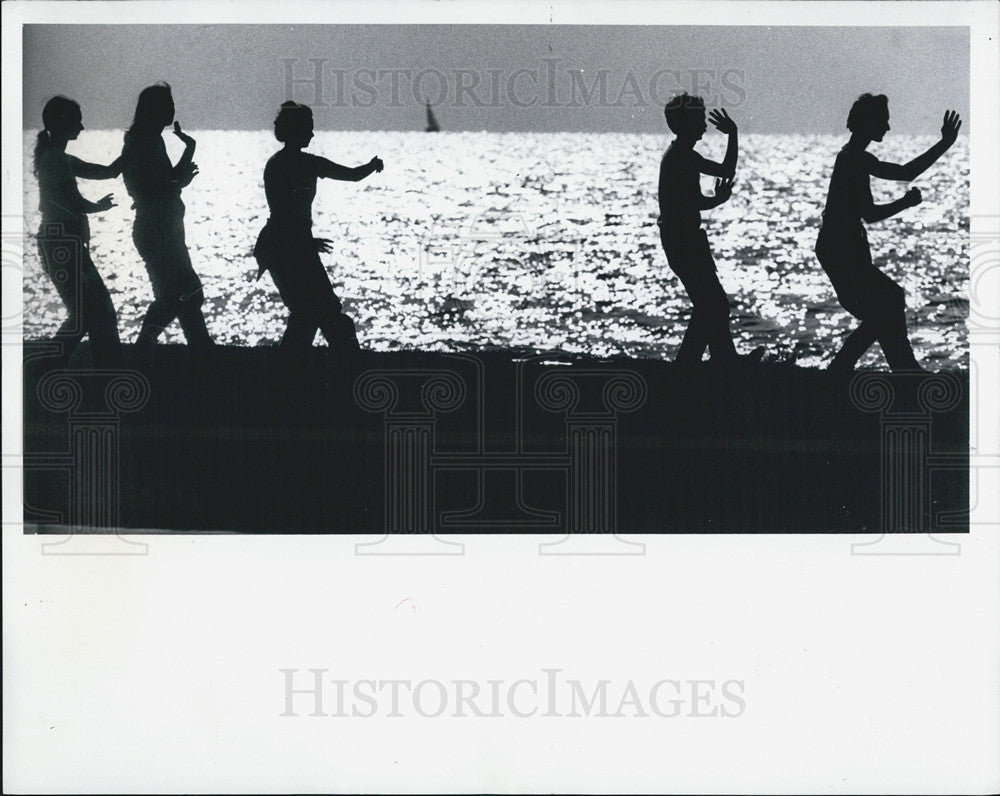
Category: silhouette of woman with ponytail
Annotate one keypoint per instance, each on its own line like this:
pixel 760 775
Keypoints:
pixel 64 236
pixel 842 246
pixel 158 230
pixel 286 246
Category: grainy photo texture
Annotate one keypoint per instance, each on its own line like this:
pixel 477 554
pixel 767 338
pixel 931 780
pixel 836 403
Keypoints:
pixel 431 279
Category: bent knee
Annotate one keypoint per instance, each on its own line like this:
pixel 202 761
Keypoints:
pixel 894 296
pixel 192 297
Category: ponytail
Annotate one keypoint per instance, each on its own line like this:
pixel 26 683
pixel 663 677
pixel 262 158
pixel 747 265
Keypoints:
pixel 42 143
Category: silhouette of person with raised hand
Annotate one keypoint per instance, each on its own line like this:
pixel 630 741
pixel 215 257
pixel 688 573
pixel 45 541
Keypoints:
pixel 286 246
pixel 842 246
pixel 684 241
pixel 64 236
pixel 158 230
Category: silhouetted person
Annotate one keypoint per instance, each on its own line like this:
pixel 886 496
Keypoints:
pixel 684 241
pixel 286 246
pixel 842 246
pixel 158 230
pixel 64 236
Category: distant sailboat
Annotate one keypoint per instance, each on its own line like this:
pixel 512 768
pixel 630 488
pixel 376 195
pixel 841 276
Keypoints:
pixel 432 125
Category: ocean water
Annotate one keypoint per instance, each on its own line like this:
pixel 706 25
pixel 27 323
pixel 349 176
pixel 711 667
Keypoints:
pixel 471 241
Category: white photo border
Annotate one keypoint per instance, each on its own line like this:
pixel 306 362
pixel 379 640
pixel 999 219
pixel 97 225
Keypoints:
pixel 163 672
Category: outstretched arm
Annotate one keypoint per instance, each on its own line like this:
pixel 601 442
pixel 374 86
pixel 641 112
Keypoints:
pixel 95 171
pixel 881 212
pixel 72 197
pixel 904 172
pixel 102 204
pixel 59 189
pixel 334 171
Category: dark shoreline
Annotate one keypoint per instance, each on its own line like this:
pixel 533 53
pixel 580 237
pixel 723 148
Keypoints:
pixel 596 446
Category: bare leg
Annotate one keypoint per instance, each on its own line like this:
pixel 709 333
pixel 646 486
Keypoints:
pixel 709 325
pixel 691 259
pixel 193 324
pixel 854 347
pixel 881 305
pixel 892 333
pixel 101 323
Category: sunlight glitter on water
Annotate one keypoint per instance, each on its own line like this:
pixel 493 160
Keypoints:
pixel 536 241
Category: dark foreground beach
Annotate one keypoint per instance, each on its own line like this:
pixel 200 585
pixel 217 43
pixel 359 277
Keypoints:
pixel 495 441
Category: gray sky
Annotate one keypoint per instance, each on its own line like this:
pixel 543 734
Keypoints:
pixel 500 77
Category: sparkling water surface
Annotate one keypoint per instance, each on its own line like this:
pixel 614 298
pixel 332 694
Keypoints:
pixel 545 241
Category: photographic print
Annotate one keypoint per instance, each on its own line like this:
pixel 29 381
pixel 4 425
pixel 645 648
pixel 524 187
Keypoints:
pixel 472 397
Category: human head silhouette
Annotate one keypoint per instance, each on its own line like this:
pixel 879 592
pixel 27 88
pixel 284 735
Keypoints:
pixel 154 110
pixel 61 116
pixel 294 124
pixel 685 115
pixel 61 121
pixel 869 116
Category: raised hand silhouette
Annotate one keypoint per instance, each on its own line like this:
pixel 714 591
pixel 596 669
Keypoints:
pixel 722 122
pixel 949 129
pixel 185 173
pixel 184 137
pixel 724 188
